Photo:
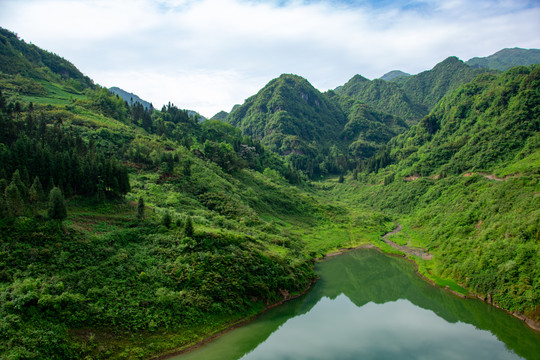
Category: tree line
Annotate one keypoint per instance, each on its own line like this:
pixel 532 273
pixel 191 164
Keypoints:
pixel 37 157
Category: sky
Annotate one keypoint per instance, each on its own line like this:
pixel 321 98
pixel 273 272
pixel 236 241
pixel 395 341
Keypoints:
pixel 208 55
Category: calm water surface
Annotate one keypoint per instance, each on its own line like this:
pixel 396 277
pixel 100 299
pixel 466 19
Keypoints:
pixel 367 305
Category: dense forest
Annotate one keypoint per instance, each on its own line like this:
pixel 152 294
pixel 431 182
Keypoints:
pixel 128 231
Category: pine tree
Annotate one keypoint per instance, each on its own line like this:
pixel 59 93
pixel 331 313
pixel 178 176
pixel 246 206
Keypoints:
pixel 35 193
pixel 14 201
pixel 3 185
pixel 57 206
pixel 16 179
pixel 140 209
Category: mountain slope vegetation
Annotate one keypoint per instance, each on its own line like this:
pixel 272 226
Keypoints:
pixel 317 133
pixel 126 232
pixel 287 115
pixel 506 58
pixel 410 97
pixel 27 65
pixel 465 181
pixel 384 96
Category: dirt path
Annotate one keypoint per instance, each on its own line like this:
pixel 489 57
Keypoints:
pixel 406 249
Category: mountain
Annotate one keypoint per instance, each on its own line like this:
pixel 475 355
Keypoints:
pixel 128 232
pixel 222 115
pixel 464 181
pixel 410 97
pixel 367 130
pixel 287 115
pixel 481 126
pixel 36 65
pixel 506 58
pixel 129 97
pixel 389 76
pixel 383 96
pixel 318 133
pixel 428 87
pixel 158 221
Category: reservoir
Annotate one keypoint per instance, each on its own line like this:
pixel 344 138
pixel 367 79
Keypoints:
pixel 368 305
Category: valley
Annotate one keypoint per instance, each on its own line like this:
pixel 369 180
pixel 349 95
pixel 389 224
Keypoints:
pixel 132 232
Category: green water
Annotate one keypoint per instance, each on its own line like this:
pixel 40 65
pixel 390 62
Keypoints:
pixel 367 305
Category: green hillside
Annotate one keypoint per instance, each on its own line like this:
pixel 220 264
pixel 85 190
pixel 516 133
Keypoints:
pixel 287 115
pixel 316 133
pixel 410 97
pixel 479 127
pixel 506 58
pixel 428 87
pixel 465 183
pixel 25 66
pixel 367 130
pixel 383 96
pixel 126 232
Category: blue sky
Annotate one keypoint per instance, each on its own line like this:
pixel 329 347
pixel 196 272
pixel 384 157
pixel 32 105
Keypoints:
pixel 208 55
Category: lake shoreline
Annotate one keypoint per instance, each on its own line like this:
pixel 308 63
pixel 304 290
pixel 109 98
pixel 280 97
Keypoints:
pixel 228 328
pixel 488 300
pixel 232 326
pixel 245 321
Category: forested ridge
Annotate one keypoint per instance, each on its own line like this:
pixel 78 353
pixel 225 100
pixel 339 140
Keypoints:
pixel 128 231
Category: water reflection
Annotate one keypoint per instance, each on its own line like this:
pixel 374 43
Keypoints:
pixel 370 306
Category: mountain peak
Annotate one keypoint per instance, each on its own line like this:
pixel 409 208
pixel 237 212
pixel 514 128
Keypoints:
pixel 129 97
pixel 504 59
pixel 391 75
pixel 287 114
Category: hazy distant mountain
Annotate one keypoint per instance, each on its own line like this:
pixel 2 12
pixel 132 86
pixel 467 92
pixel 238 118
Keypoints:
pixel 192 113
pixel 506 58
pixel 222 115
pixel 129 97
pixel 393 74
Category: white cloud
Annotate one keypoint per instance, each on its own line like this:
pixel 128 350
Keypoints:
pixel 208 55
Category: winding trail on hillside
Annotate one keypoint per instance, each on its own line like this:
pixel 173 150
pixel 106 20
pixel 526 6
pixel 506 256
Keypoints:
pixel 406 249
pixel 492 176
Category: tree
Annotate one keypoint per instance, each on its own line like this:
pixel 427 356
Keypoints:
pixel 166 219
pixel 16 179
pixel 14 201
pixel 3 208
pixel 188 228
pixel 57 205
pixel 187 168
pixel 35 193
pixel 140 209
